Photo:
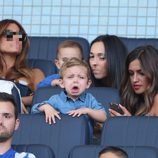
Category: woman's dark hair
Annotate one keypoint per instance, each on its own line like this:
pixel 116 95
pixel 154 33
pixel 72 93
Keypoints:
pixel 116 53
pixel 115 150
pixel 141 104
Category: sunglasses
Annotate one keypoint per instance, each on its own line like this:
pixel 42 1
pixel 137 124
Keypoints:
pixel 9 35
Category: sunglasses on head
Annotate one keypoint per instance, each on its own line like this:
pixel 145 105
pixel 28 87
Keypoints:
pixel 9 35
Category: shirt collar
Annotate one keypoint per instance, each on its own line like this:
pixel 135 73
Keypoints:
pixel 65 98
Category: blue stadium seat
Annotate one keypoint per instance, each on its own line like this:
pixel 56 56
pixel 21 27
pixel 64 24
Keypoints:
pixel 130 131
pixel 46 47
pixel 132 43
pixel 61 137
pixel 47 66
pixel 104 95
pixel 92 151
pixel 40 151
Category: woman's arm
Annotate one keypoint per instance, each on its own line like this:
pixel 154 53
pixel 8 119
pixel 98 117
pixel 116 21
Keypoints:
pixel 38 76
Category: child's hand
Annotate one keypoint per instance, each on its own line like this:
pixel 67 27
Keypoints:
pixel 50 113
pixel 56 82
pixel 78 112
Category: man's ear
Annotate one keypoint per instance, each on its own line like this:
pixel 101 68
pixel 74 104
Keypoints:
pixel 57 63
pixel 89 83
pixel 17 123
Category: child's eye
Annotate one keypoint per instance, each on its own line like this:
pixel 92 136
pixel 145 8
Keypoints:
pixel 91 56
pixel 65 59
pixel 70 77
pixel 81 77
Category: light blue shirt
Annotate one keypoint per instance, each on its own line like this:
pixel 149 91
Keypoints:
pixel 62 103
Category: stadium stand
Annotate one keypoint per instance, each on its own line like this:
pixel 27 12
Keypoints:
pixel 61 137
pixel 92 151
pixel 47 66
pixel 132 43
pixel 130 131
pixel 104 95
pixel 46 47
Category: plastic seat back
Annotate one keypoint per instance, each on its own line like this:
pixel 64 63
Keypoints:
pixel 40 151
pixel 61 137
pixel 92 151
pixel 130 131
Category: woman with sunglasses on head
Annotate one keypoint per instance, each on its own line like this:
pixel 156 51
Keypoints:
pixel 139 88
pixel 14 45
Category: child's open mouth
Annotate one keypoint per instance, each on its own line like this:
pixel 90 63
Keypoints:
pixel 75 89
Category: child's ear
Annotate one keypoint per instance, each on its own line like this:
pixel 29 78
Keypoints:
pixel 61 84
pixel 89 83
pixel 57 63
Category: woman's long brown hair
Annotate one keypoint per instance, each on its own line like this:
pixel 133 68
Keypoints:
pixel 20 69
pixel 141 104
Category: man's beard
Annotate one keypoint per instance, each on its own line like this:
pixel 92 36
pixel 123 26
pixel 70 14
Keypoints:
pixel 4 136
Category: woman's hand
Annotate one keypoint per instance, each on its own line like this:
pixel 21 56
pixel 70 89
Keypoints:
pixel 115 113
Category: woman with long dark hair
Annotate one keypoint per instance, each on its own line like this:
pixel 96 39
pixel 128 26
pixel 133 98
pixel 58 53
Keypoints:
pixel 139 88
pixel 106 59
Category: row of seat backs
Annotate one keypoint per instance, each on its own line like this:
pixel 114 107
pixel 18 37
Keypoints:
pixel 130 131
pixel 46 47
pixel 39 150
pixel 60 137
pixel 92 151
pixel 43 50
pixel 136 135
pixel 85 151
pixel 132 43
pixel 139 134
pixel 104 95
pixel 47 66
pixel 66 133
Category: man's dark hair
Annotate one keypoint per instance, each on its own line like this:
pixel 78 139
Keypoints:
pixel 5 97
pixel 115 150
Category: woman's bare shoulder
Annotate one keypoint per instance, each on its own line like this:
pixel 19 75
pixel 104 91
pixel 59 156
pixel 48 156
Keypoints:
pixel 38 75
pixel 37 72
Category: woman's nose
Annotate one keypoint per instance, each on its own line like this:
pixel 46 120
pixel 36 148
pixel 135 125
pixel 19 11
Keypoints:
pixel 135 78
pixel 94 61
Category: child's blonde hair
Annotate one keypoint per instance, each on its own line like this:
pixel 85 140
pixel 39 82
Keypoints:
pixel 67 44
pixel 75 62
